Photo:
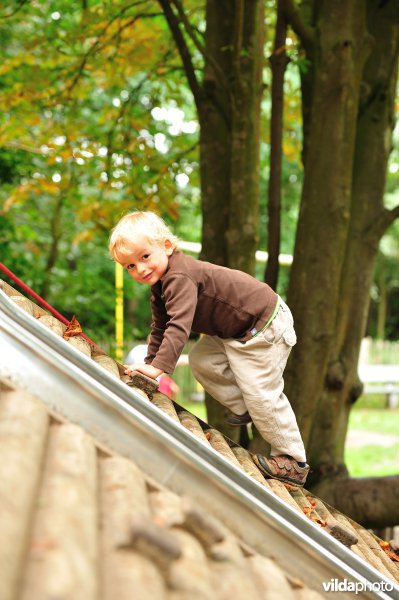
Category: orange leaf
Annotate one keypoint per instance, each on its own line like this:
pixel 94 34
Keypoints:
pixel 72 329
pixel 309 510
pixel 386 546
pixel 311 501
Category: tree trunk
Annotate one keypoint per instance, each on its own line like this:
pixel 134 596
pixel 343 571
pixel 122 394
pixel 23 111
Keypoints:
pixel 230 125
pixel 331 319
pixel 339 56
pixel 278 62
pixel 228 105
pixel 373 145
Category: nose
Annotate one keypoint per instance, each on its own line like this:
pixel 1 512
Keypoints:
pixel 140 268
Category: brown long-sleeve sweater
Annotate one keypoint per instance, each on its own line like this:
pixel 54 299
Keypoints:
pixel 195 295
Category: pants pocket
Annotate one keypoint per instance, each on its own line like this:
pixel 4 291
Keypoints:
pixel 289 336
pixel 268 335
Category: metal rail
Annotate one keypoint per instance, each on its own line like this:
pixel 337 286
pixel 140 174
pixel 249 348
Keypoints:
pixel 74 386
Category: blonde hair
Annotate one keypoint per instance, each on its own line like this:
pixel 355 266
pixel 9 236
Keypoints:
pixel 145 223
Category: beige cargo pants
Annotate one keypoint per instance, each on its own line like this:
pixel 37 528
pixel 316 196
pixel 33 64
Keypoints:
pixel 249 377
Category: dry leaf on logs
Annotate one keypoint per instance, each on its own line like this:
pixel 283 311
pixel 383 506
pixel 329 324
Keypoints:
pixel 309 510
pixel 72 329
pixel 386 546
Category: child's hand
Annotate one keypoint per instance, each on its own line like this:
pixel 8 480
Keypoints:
pixel 148 370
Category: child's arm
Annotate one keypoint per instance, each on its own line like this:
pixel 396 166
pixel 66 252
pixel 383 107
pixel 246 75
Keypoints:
pixel 179 301
pixel 158 325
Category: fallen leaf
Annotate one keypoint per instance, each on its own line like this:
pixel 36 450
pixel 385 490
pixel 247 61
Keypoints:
pixel 309 510
pixel 72 329
pixel 295 582
pixel 386 546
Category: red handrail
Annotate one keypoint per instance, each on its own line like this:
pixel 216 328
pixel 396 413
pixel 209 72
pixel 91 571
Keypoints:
pixel 39 300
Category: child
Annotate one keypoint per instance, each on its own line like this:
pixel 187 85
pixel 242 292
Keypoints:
pixel 248 334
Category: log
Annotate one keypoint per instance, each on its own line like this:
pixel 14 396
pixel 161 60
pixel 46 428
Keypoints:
pixel 63 557
pixel 24 303
pixel 107 363
pixel 191 423
pixel 230 573
pixel 80 344
pixel 218 443
pixel 270 580
pixel 280 489
pixel 166 507
pixel 166 405
pixel 246 462
pixel 123 496
pixel 23 432
pixel 53 324
pixel 190 575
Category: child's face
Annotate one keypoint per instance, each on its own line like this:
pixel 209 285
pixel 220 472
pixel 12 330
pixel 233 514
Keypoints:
pixel 146 261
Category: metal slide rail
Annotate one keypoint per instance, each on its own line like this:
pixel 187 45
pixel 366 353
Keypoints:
pixel 74 386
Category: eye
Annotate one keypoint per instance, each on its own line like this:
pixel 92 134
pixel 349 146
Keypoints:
pixel 129 267
pixel 146 256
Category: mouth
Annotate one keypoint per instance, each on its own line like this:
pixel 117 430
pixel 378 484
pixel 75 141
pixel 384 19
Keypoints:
pixel 146 277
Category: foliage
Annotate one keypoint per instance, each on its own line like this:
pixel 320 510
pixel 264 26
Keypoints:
pixel 96 120
pixel 83 139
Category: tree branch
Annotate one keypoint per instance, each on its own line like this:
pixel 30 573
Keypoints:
pixel 379 226
pixel 100 43
pixel 200 47
pixel 188 27
pixel 16 9
pixel 21 146
pixel 293 16
pixel 279 62
pixel 391 216
pixel 184 52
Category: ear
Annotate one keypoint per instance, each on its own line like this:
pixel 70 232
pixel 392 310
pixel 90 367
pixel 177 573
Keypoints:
pixel 168 247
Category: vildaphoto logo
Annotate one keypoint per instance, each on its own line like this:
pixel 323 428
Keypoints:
pixel 344 585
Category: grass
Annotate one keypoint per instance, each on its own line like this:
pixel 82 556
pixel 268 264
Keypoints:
pixel 370 419
pixel 372 459
pixel 196 408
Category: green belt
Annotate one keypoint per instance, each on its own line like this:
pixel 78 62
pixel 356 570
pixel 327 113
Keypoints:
pixel 276 309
